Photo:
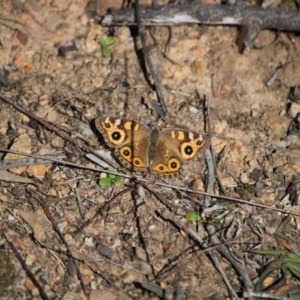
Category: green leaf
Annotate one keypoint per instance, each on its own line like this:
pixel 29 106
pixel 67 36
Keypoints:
pixel 110 40
pixel 294 269
pixel 102 42
pixel 192 216
pixel 111 169
pixel 295 297
pixel 284 254
pixel 106 52
pixel 273 266
pixel 104 182
pixel 224 203
pixel 117 181
pixel 270 252
pixel 236 277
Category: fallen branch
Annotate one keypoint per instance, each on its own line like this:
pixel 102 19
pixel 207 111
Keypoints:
pixel 253 19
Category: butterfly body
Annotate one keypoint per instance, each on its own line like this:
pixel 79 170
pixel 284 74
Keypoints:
pixel 137 146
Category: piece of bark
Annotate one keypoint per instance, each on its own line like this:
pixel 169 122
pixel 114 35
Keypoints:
pixel 7 176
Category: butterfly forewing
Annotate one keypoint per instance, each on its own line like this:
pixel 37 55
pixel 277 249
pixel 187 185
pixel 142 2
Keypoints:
pixel 130 140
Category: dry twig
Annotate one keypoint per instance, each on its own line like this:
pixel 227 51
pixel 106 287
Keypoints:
pixel 148 60
pixel 27 270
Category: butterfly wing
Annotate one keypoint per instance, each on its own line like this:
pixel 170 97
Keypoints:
pixel 130 139
pixel 174 148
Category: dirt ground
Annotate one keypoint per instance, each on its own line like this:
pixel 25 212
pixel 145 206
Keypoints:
pixel 134 243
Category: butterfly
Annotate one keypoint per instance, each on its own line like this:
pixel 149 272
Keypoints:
pixel 138 147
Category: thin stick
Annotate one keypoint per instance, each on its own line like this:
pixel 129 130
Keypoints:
pixel 148 60
pixel 212 156
pixel 61 236
pixel 79 203
pixel 238 200
pixel 60 133
pixel 27 270
pixel 223 249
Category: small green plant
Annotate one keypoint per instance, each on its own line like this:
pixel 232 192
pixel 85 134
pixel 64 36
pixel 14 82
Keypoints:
pixel 286 264
pixel 105 43
pixel 110 179
pixel 192 216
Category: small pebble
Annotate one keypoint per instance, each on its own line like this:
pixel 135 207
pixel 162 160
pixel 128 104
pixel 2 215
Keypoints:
pixel 293 110
pixel 282 144
pixel 30 259
pixel 244 178
pixel 193 110
pixel 260 185
pixel 100 199
pixel 290 138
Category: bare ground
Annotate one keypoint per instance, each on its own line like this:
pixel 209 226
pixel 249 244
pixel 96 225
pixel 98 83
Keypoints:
pixel 71 89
